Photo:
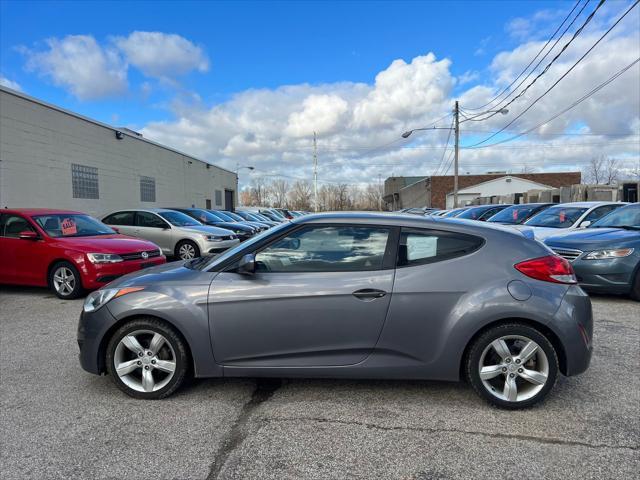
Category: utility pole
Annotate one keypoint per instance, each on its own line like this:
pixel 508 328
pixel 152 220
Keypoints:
pixel 315 173
pixel 456 113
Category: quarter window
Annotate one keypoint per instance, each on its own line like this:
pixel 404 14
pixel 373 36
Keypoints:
pixel 84 181
pixel 427 246
pixel 147 189
pixel 326 249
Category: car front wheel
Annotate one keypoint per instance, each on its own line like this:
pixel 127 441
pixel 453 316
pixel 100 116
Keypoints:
pixel 512 366
pixel 147 359
pixel 65 281
pixel 186 250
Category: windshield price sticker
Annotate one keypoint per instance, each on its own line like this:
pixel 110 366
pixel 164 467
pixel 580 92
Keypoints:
pixel 69 227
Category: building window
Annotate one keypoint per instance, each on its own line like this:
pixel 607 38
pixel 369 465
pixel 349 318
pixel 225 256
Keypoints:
pixel 147 189
pixel 218 198
pixel 84 181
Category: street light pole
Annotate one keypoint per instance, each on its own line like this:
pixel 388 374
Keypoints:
pixel 456 113
pixel 315 173
pixel 238 167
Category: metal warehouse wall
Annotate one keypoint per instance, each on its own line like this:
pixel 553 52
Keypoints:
pixel 38 144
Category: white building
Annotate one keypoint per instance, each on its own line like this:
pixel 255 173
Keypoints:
pixel 499 186
pixel 54 158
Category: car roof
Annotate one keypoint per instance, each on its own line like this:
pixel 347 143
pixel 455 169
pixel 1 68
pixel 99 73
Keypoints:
pixel 40 211
pixel 587 204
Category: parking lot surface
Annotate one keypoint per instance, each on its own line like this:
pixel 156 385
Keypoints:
pixel 58 421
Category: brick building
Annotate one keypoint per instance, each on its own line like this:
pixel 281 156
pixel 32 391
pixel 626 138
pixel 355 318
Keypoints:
pixel 433 191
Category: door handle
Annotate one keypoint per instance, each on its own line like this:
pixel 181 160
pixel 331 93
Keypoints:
pixel 369 294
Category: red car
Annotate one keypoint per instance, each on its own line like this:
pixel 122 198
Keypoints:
pixel 67 251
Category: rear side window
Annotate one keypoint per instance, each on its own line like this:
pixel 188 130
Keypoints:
pixel 120 218
pixel 151 220
pixel 418 247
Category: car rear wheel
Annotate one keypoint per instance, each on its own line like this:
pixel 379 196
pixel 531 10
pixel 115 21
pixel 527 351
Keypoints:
pixel 147 359
pixel 65 281
pixel 186 250
pixel 512 366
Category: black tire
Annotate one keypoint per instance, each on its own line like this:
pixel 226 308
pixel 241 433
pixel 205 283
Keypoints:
pixel 187 243
pixel 64 292
pixel 472 366
pixel 177 345
pixel 635 288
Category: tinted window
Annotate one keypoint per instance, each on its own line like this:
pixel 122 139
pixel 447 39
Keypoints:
pixel 179 219
pixel 72 225
pixel 515 215
pixel 203 216
pixel 234 216
pixel 148 219
pixel 557 217
pixel 120 218
pixel 12 225
pixel 326 249
pixel 600 212
pixel 427 246
pixel 224 216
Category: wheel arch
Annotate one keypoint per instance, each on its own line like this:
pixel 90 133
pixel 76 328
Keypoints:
pixel 57 260
pixel 542 328
pixel 104 342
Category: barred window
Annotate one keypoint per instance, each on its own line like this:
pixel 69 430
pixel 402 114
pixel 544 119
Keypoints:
pixel 218 197
pixel 84 181
pixel 147 189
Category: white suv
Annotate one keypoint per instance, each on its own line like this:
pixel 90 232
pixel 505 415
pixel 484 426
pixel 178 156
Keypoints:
pixel 174 232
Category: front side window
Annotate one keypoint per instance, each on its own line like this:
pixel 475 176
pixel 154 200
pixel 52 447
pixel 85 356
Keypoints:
pixel 557 217
pixel 418 247
pixel 12 225
pixel 150 220
pixel 124 219
pixel 326 249
pixel 72 225
pixel 84 181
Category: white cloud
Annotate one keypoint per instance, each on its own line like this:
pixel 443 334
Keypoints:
pixel 5 82
pixel 320 113
pixel 162 55
pixel 80 64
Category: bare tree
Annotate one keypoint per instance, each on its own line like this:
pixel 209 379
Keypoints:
pixel 258 192
pixel 300 195
pixel 279 189
pixel 602 170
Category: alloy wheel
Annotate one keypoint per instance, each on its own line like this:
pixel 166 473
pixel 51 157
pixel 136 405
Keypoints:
pixel 187 252
pixel 144 361
pixel 513 368
pixel 64 281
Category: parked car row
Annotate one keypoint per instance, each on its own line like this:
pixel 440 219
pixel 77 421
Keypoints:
pixel 600 239
pixel 71 252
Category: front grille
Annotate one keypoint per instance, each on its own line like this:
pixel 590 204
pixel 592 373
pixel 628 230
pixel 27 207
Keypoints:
pixel 138 255
pixel 567 253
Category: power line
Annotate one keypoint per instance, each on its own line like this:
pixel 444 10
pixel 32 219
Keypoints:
pixel 565 110
pixel 537 55
pixel 562 77
pixel 446 146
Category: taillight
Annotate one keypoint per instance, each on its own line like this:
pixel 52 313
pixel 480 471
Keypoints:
pixel 548 269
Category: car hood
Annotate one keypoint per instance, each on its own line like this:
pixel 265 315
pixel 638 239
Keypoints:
pixel 541 233
pixel 118 244
pixel 596 238
pixel 208 230
pixel 234 226
pixel 173 273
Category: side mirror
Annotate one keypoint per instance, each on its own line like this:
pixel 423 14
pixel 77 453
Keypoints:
pixel 585 224
pixel 28 235
pixel 247 264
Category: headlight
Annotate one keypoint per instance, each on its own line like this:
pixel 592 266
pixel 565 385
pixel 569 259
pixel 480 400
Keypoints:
pixel 212 238
pixel 104 258
pixel 97 299
pixel 605 254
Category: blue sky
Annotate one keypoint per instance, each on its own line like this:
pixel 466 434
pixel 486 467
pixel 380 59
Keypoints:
pixel 250 82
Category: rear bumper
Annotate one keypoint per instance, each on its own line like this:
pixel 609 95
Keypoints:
pixel 573 323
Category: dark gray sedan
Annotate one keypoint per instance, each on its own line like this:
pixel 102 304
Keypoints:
pixel 350 295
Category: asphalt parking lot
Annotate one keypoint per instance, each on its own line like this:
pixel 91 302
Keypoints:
pixel 59 422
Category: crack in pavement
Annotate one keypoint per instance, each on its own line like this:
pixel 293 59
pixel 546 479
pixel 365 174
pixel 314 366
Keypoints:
pixel 265 388
pixel 549 441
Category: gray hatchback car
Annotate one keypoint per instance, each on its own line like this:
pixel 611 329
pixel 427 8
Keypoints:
pixel 350 295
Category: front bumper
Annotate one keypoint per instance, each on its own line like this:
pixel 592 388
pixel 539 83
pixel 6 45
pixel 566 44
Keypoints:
pixel 92 328
pixel 606 276
pixel 573 324
pixel 96 275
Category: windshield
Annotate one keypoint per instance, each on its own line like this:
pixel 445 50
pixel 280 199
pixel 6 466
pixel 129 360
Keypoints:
pixel 514 215
pixel 71 225
pixel 224 216
pixel 557 217
pixel 204 216
pixel 179 219
pixel 473 213
pixel 624 217
pixel 232 251
pixel 234 216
